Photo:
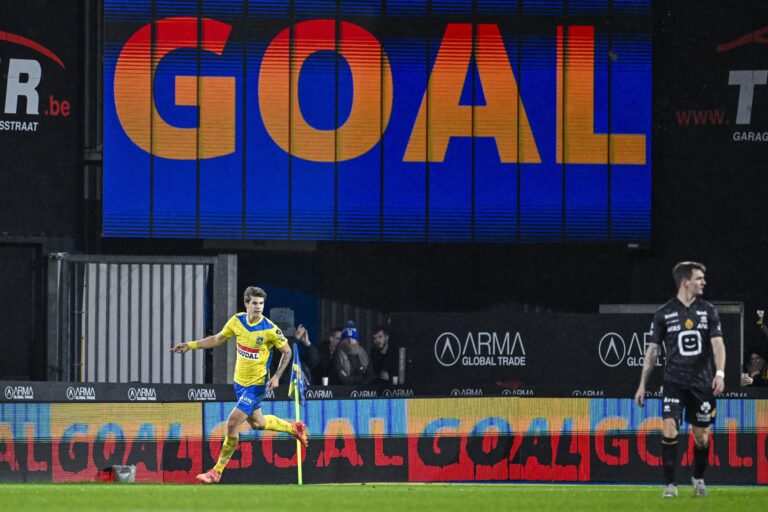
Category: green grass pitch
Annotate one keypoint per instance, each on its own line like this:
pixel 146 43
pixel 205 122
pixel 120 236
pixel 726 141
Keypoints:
pixel 371 497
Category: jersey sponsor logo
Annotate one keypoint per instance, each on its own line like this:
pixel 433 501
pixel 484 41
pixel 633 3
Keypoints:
pixel 248 353
pixel 19 393
pixel 142 394
pixel 481 348
pixel 689 343
pixel 674 328
pixel 671 315
pixel 201 394
pixel 706 412
pixel 81 393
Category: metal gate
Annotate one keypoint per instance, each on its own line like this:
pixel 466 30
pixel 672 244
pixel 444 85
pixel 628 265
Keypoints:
pixel 114 318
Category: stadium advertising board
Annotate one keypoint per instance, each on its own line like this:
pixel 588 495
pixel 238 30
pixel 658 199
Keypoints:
pixel 404 120
pixel 75 442
pixel 40 116
pixel 566 355
pixel 397 440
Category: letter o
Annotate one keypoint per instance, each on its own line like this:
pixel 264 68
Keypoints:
pixel 279 87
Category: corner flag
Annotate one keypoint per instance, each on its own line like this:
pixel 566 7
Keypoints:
pixel 298 380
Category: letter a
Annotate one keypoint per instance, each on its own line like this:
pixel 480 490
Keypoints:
pixel 498 118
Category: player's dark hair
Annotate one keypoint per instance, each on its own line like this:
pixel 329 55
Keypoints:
pixel 382 328
pixel 684 270
pixel 254 291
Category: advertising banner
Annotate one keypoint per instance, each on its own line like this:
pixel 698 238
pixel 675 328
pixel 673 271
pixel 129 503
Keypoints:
pixel 506 439
pixel 566 355
pixel 75 442
pixel 361 440
pixel 404 120
pixel 40 116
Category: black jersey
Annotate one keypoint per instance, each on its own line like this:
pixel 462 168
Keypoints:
pixel 686 333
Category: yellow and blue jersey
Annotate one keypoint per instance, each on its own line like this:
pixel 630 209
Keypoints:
pixel 254 346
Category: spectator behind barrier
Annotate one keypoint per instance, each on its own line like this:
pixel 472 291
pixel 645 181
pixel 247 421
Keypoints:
pixel 327 350
pixel 756 363
pixel 384 356
pixel 351 361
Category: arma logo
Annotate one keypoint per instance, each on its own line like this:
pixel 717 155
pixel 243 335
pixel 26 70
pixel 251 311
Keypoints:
pixel 23 78
pixel 364 393
pixel 397 393
pixel 467 392
pixel 81 393
pixel 142 395
pixel 447 349
pixel 19 393
pixel 589 393
pixel 481 348
pixel 733 394
pixel 614 351
pixel 517 392
pixel 201 394
pixel 319 394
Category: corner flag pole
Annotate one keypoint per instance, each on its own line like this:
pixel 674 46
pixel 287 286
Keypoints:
pixel 297 376
pixel 296 389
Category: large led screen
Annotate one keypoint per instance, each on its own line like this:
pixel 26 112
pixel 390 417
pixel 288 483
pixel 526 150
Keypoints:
pixel 386 120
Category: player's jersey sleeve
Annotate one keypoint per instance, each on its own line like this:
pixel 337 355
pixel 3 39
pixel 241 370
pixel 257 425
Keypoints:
pixel 277 337
pixel 658 328
pixel 229 328
pixel 716 327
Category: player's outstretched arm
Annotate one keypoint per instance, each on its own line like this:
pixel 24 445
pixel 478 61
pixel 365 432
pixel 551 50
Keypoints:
pixel 285 359
pixel 649 361
pixel 209 342
pixel 718 350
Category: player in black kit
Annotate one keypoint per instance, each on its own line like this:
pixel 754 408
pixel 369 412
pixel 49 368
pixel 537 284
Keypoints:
pixel 690 329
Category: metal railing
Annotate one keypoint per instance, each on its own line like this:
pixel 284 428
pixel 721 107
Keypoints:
pixel 113 318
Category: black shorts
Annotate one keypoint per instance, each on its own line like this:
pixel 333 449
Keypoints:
pixel 699 404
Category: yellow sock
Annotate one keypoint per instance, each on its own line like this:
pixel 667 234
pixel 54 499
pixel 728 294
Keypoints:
pixel 230 443
pixel 275 423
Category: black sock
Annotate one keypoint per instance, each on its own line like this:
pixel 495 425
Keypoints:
pixel 669 458
pixel 700 455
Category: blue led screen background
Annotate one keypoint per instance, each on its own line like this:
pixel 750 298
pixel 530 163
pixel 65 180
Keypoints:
pixel 473 121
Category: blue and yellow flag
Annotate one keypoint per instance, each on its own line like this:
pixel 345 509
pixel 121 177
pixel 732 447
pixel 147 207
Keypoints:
pixel 298 380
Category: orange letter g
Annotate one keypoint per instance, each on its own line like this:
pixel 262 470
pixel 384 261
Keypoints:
pixel 215 96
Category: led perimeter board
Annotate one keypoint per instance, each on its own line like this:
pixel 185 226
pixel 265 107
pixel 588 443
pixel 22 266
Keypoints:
pixel 387 120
